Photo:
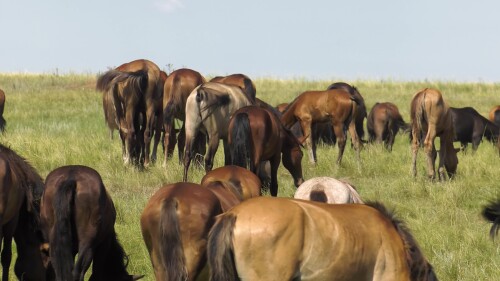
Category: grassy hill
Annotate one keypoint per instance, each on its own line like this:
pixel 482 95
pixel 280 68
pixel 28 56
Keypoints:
pixel 58 120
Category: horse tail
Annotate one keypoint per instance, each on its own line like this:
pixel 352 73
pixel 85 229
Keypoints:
pixel 220 249
pixel 420 268
pixel 173 90
pixel 249 88
pixel 62 237
pixel 241 146
pixel 172 253
pixel 491 212
pixel 318 196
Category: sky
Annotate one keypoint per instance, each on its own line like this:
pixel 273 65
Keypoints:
pixel 451 40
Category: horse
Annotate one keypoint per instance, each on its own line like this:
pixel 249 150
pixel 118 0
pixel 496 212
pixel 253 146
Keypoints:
pixel 353 91
pixel 175 225
pixel 337 106
pixel 245 183
pixel 491 213
pixel 78 216
pixel 431 117
pixel 208 108
pixel 2 105
pixel 384 122
pixel 240 80
pixel 494 115
pixel 256 135
pixel 470 127
pixel 328 190
pixel 21 188
pixel 147 98
pixel 269 238
pixel 176 90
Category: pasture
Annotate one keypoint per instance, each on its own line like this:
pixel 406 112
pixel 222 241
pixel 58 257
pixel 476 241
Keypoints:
pixel 57 120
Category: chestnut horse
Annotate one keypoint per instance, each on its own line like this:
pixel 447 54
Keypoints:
pixel 240 80
pixel 255 135
pixel 208 109
pixel 328 190
pixel 2 105
pixel 336 106
pixel 20 191
pixel 494 115
pixel 148 100
pixel 243 183
pixel 78 216
pixel 384 122
pixel 360 117
pixel 179 84
pixel 269 238
pixel 431 117
pixel 491 213
pixel 177 218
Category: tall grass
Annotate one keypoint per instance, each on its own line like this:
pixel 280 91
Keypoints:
pixel 57 120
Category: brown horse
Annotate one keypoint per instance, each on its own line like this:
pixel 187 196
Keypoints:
pixel 431 117
pixel 175 225
pixel 176 90
pixel 336 106
pixel 245 182
pixel 360 117
pixel 384 122
pixel 256 135
pixel 494 115
pixel 78 216
pixel 147 100
pixel 285 239
pixel 208 109
pixel 328 190
pixel 240 80
pixel 20 191
pixel 2 105
pixel 491 213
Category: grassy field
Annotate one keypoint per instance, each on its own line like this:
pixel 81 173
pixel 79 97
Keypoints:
pixel 57 120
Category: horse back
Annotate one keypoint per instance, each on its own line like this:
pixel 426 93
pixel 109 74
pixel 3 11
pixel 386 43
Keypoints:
pixel 248 184
pixel 177 87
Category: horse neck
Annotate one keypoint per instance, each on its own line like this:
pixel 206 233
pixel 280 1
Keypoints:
pixel 491 131
pixel 288 117
pixel 110 260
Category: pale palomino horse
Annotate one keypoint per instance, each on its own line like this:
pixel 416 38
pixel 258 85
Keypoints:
pixel 328 190
pixel 209 108
pixel 431 118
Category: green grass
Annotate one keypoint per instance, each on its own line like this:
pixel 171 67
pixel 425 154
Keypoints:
pixel 57 120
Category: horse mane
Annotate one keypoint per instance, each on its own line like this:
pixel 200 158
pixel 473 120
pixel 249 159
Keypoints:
pixel 30 181
pixel 213 99
pixel 420 268
pixel 114 259
pixel 491 213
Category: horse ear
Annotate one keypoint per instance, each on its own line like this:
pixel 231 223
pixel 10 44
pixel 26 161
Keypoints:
pixel 136 277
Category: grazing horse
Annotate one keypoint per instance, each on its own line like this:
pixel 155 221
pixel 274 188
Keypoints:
pixel 470 127
pixel 179 84
pixel 384 122
pixel 240 80
pixel 337 106
pixel 431 117
pixel 360 117
pixel 494 115
pixel 491 213
pixel 78 216
pixel 269 238
pixel 148 99
pixel 20 191
pixel 328 190
pixel 209 108
pixel 247 183
pixel 2 105
pixel 175 225
pixel 255 135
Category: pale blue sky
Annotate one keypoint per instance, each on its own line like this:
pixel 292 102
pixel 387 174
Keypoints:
pixel 386 39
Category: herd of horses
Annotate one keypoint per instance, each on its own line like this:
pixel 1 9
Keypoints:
pixel 222 228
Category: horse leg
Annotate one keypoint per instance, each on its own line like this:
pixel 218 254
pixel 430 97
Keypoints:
pixel 157 137
pixel 85 255
pixel 305 124
pixel 147 135
pixel 213 144
pixel 169 138
pixel 275 163
pixel 415 145
pixel 430 151
pixel 341 140
pixel 355 140
pixel 7 232
pixel 227 153
pixel 181 142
